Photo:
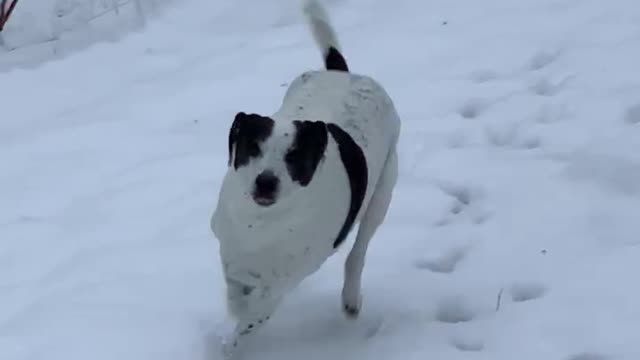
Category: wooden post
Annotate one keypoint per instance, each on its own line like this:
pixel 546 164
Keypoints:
pixel 2 7
pixel 140 12
pixel 116 7
pixel 6 13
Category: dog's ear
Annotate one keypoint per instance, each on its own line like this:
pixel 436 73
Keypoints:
pixel 247 133
pixel 306 151
pixel 234 134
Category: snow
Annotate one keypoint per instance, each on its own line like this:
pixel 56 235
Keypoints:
pixel 42 30
pixel 513 231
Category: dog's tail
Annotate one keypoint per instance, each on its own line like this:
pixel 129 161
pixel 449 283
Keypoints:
pixel 324 35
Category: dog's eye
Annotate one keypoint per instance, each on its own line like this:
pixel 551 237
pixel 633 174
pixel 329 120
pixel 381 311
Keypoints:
pixel 293 155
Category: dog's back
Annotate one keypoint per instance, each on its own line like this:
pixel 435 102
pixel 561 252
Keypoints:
pixel 358 104
pixel 337 88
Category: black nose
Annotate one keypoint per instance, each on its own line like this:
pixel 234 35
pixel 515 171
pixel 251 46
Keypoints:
pixel 266 185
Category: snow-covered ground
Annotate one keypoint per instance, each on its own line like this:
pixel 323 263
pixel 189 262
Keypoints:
pixel 41 30
pixel 514 231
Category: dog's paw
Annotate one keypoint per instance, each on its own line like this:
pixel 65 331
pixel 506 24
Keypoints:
pixel 351 305
pixel 228 351
pixel 228 347
pixel 351 312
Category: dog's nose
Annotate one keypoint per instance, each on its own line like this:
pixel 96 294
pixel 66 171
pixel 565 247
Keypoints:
pixel 266 187
pixel 267 183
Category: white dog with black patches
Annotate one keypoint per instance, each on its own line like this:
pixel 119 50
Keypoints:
pixel 299 180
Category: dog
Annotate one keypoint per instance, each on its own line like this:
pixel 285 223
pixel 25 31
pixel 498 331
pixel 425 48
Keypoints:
pixel 299 180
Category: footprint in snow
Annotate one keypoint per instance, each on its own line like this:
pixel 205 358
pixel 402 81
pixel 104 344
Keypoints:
pixel 632 115
pixel 549 87
pixel 445 264
pixel 461 193
pixel 542 59
pixel 510 135
pixel 467 345
pixel 521 292
pixel 472 108
pixel 373 326
pixel 465 200
pixel 454 310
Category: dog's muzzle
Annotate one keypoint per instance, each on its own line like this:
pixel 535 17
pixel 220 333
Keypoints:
pixel 265 188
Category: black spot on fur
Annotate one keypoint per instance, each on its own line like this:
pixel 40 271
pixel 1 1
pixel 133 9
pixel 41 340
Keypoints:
pixel 308 148
pixel 247 133
pixel 335 61
pixel 247 290
pixel 356 165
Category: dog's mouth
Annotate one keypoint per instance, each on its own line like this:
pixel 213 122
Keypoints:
pixel 263 200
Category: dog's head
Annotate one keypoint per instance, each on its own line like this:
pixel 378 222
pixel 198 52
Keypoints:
pixel 270 161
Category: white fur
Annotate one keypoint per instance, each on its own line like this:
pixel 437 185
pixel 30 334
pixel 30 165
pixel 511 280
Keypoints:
pixel 267 251
pixel 320 26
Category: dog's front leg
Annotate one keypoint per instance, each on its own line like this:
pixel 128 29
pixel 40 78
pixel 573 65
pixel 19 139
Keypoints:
pixel 252 307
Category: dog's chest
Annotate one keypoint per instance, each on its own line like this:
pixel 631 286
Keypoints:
pixel 280 249
pixel 284 259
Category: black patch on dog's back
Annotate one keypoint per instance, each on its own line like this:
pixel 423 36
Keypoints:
pixel 335 61
pixel 306 151
pixel 356 165
pixel 247 133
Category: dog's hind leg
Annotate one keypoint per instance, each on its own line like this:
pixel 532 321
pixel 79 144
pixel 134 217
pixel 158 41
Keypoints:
pixel 373 217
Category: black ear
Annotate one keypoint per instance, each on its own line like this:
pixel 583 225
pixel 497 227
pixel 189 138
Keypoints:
pixel 234 133
pixel 306 151
pixel 247 133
